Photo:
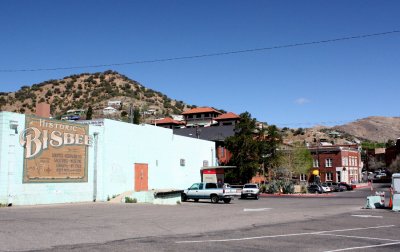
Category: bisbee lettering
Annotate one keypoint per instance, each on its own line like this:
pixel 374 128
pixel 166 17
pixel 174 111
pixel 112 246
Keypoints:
pixel 36 141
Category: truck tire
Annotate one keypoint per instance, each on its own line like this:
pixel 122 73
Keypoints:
pixel 257 197
pixel 214 198
pixel 183 197
pixel 227 201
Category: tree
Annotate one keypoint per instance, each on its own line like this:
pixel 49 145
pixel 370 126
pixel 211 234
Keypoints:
pixel 390 143
pixel 296 161
pixel 89 113
pixel 244 148
pixel 374 163
pixel 136 116
pixel 395 165
pixel 269 154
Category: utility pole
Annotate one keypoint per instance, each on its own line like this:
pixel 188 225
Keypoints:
pixel 131 114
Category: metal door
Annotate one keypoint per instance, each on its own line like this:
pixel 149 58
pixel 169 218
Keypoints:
pixel 141 177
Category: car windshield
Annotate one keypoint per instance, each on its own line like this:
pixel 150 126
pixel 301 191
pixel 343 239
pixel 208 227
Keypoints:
pixel 250 186
pixel 194 187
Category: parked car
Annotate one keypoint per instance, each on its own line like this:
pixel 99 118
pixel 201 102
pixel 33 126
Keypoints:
pixel 326 187
pixel 250 191
pixel 335 187
pixel 314 188
pixel 208 191
pixel 348 187
pixel 381 175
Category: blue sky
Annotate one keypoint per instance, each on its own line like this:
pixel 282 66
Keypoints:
pixel 330 83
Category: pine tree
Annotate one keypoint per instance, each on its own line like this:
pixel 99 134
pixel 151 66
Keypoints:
pixel 89 113
pixel 136 116
pixel 245 150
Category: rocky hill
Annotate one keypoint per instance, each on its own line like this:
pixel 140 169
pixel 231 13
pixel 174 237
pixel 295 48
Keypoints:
pixel 95 90
pixel 375 128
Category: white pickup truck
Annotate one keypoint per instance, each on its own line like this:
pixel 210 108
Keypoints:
pixel 208 191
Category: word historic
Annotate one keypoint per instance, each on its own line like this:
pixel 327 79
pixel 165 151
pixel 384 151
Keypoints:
pixel 36 140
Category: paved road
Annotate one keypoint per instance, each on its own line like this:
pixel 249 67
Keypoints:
pixel 330 223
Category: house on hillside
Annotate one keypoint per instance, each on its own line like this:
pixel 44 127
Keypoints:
pixel 220 126
pixel 114 104
pixel 169 123
pixel 109 111
pixel 200 117
pixel 227 119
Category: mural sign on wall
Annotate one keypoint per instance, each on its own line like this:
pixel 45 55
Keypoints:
pixel 54 151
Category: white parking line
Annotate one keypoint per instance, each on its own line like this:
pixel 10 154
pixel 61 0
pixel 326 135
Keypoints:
pixel 361 237
pixel 256 209
pixel 367 216
pixel 284 235
pixel 371 246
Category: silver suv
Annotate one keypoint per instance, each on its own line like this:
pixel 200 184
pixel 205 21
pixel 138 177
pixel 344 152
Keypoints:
pixel 250 191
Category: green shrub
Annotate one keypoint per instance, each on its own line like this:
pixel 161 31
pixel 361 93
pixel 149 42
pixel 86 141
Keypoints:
pixel 263 188
pixel 272 187
pixel 288 187
pixel 130 200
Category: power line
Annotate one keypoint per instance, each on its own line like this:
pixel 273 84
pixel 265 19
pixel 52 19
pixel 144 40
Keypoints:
pixel 323 123
pixel 205 55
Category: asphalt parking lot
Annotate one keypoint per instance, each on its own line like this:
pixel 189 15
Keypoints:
pixel 334 222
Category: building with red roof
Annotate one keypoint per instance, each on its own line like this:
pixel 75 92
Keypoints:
pixel 200 117
pixel 227 119
pixel 169 123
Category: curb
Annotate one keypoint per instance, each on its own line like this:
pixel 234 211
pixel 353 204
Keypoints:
pixel 304 195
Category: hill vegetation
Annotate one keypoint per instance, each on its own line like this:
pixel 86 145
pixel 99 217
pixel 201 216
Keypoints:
pixel 90 90
pixel 93 91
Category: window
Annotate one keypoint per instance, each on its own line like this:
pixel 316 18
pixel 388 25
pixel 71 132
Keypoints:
pixel 328 162
pixel 222 151
pixel 250 186
pixel 315 163
pixel 303 177
pixel 211 185
pixel 345 161
pixel 329 176
pixel 201 186
pixel 194 187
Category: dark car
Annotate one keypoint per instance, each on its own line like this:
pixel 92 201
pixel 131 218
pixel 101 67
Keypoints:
pixel 315 189
pixel 336 187
pixel 348 187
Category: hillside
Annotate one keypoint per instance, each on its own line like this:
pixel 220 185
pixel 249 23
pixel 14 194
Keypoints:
pixel 374 128
pixel 84 90
pixel 377 129
pixel 97 89
pixel 317 135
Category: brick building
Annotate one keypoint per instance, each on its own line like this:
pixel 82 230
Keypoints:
pixel 336 163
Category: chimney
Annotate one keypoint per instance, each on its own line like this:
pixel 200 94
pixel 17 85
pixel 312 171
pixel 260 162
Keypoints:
pixel 43 110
